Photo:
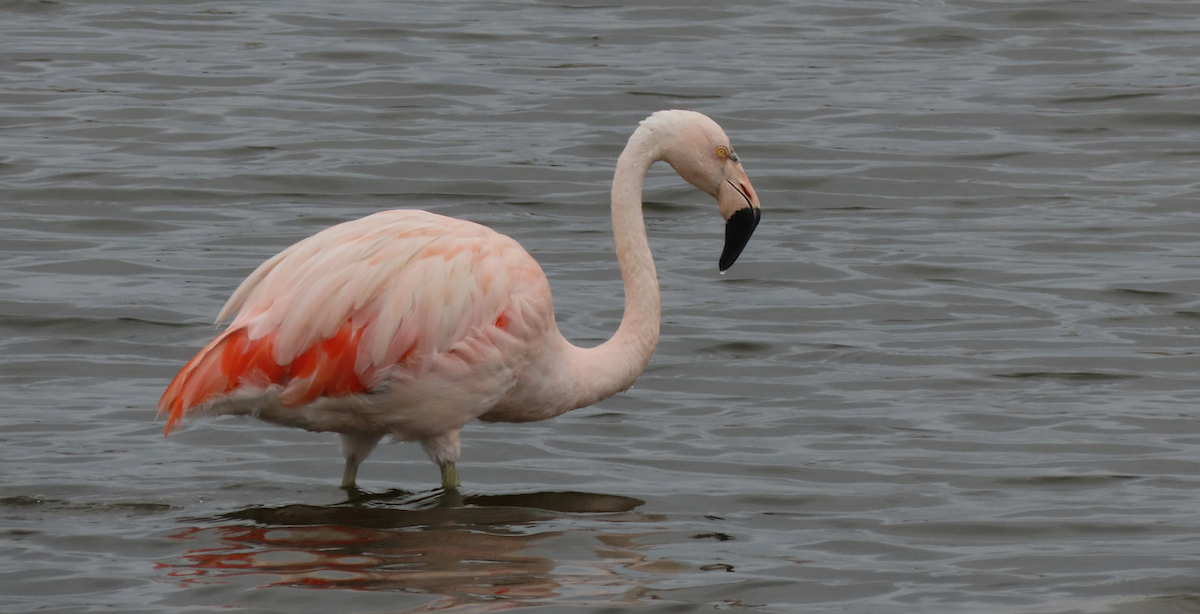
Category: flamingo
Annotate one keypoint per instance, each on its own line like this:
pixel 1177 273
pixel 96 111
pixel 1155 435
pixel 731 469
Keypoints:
pixel 410 324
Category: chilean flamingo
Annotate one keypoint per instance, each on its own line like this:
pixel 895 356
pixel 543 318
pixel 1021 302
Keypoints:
pixel 411 324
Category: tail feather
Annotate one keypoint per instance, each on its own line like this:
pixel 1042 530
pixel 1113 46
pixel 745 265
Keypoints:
pixel 201 378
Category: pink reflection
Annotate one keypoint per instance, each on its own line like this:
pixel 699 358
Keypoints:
pixel 480 564
pixel 464 563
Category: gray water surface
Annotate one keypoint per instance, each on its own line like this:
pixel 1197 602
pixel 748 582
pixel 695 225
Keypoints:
pixel 954 371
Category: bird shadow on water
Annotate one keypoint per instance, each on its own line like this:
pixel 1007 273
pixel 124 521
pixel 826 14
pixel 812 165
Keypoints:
pixel 474 550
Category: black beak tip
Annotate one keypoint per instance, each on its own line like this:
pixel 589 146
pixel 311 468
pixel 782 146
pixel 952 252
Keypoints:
pixel 737 233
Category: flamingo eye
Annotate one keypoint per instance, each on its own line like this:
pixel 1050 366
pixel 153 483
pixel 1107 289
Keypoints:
pixel 724 152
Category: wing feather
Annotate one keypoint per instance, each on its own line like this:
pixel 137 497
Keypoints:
pixel 334 313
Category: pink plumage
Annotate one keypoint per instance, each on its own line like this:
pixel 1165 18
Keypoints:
pixel 410 324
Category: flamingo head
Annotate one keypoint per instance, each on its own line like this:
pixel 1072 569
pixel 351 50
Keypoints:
pixel 700 152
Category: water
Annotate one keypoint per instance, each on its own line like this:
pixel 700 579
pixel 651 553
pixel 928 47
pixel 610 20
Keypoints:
pixel 954 370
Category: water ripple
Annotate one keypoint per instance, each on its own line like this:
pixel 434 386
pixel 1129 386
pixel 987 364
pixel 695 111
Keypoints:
pixel 953 372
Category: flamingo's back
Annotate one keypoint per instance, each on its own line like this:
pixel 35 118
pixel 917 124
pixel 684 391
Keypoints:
pixel 391 298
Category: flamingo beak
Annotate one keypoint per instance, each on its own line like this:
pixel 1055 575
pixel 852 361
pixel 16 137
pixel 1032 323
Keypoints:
pixel 736 196
pixel 737 234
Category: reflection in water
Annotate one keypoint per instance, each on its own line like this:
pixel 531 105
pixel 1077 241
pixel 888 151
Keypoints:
pixel 471 549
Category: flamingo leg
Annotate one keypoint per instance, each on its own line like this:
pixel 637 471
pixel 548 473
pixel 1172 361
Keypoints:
pixel 349 476
pixel 444 451
pixel 356 449
pixel 449 476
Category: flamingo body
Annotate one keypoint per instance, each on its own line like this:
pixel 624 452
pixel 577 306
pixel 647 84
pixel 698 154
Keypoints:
pixel 410 324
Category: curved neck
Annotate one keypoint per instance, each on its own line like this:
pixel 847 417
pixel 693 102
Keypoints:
pixel 613 366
